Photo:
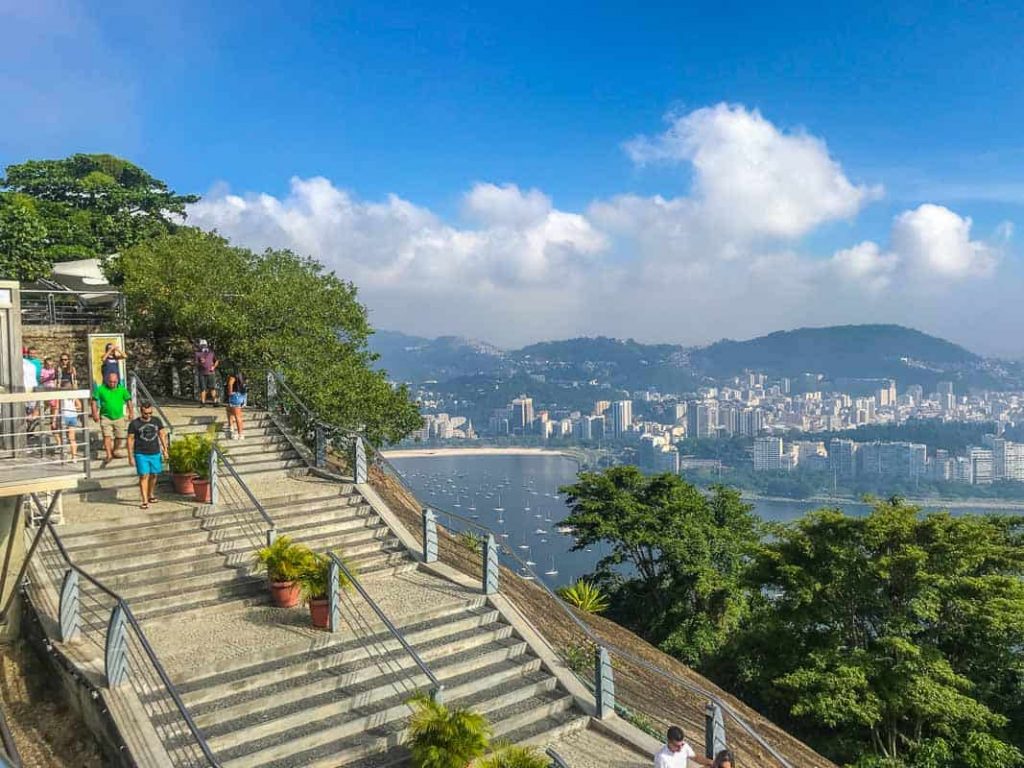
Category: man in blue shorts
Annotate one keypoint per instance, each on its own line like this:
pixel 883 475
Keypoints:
pixel 147 447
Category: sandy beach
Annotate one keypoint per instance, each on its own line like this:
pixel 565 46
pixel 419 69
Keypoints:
pixel 410 453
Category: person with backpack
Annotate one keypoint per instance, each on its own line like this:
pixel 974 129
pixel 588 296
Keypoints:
pixel 236 391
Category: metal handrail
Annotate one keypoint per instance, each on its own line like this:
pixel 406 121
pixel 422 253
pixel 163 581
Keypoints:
pixel 11 757
pixel 388 623
pixel 223 459
pixel 150 399
pixel 69 292
pixel 381 460
pixel 140 635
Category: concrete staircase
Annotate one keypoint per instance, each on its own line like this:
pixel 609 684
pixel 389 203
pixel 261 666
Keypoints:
pixel 280 693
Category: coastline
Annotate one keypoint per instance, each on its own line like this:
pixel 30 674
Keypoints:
pixel 413 453
pixel 929 503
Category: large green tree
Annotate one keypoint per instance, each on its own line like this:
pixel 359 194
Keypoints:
pixel 83 206
pixel 676 555
pixel 896 639
pixel 271 310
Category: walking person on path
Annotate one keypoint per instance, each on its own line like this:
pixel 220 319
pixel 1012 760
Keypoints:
pixel 677 753
pixel 236 391
pixel 109 401
pixel 69 410
pixel 206 367
pixel 66 372
pixel 147 448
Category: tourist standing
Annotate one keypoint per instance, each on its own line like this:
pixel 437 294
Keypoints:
pixel 724 760
pixel 677 753
pixel 66 372
pixel 206 367
pixel 109 401
pixel 111 363
pixel 48 380
pixel 33 357
pixel 30 380
pixel 70 407
pixel 236 391
pixel 147 448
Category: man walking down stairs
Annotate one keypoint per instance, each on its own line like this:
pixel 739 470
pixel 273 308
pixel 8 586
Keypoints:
pixel 263 686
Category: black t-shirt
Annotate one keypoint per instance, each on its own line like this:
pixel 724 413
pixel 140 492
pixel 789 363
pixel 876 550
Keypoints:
pixel 147 434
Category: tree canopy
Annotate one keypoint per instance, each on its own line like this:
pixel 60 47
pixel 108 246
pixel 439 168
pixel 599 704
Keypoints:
pixel 676 555
pixel 893 639
pixel 83 206
pixel 270 310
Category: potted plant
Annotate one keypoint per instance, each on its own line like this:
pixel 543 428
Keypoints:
pixel 443 737
pixel 314 584
pixel 284 561
pixel 181 457
pixel 204 446
pixel 514 756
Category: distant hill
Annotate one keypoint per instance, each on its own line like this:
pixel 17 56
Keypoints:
pixel 417 359
pixel 850 357
pixel 847 352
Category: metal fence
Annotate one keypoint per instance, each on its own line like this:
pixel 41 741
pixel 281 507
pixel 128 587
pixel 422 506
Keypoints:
pixel 40 307
pixel 641 691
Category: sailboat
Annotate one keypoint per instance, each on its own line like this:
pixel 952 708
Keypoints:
pixel 499 508
pixel 552 571
pixel 456 503
pixel 524 545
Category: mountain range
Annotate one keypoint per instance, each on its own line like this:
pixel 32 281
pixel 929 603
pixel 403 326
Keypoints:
pixel 846 356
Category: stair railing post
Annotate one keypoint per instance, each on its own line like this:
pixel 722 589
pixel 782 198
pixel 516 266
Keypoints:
pixel 70 607
pixel 333 597
pixel 319 447
pixel 714 730
pixel 213 476
pixel 115 654
pixel 359 461
pixel 429 536
pixel 271 536
pixel 133 383
pixel 604 683
pixel 271 390
pixel 490 553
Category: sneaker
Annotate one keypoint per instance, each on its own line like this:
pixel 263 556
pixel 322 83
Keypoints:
pixel 241 437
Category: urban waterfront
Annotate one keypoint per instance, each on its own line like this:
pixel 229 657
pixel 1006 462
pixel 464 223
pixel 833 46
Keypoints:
pixel 517 497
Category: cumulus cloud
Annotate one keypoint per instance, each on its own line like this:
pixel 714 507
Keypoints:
pixel 724 259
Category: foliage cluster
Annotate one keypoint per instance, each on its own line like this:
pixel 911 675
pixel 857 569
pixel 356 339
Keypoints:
pixel 271 310
pixel 893 639
pixel 584 596
pixel 83 206
pixel 314 577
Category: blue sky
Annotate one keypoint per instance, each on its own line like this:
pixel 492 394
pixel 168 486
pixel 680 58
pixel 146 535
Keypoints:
pixel 913 105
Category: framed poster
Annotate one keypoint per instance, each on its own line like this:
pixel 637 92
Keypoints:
pixel 97 348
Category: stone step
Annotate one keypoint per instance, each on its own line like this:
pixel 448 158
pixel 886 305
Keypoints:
pixel 120 468
pixel 374 677
pixel 326 725
pixel 282 662
pixel 248 588
pixel 120 487
pixel 545 732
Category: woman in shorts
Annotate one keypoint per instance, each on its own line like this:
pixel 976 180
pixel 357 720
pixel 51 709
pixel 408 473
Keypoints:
pixel 70 408
pixel 237 395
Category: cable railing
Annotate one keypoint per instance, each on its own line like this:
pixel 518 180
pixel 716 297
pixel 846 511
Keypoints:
pixel 65 307
pixel 641 696
pixel 233 499
pixel 87 611
pixel 40 437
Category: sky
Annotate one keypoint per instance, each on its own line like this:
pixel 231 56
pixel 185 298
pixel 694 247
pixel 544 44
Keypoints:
pixel 673 172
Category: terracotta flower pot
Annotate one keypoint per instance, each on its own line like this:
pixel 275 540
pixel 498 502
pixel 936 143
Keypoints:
pixel 285 594
pixel 183 483
pixel 203 491
pixel 320 612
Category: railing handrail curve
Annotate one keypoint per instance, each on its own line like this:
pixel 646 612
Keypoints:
pixel 380 459
pixel 387 622
pixel 144 642
pixel 150 399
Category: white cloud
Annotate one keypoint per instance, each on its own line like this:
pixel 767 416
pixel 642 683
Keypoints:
pixel 723 260
pixel 750 178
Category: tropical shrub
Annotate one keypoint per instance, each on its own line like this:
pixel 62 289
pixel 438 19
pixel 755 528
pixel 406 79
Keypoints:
pixel 445 737
pixel 584 596
pixel 314 577
pixel 579 657
pixel 283 560
pixel 513 756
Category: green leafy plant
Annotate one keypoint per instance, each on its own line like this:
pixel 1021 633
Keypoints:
pixel 585 596
pixel 314 577
pixel 579 657
pixel 204 446
pixel 445 737
pixel 513 756
pixel 182 452
pixel 284 560
pixel 471 540
pixel 641 721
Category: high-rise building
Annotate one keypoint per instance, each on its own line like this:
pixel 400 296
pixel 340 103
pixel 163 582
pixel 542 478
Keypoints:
pixel 621 412
pixel 667 460
pixel 767 454
pixel 842 457
pixel 942 466
pixel 751 422
pixel 892 459
pixel 600 407
pixel 598 427
pixel 702 419
pixel 522 413
pixel 947 398
pixel 981 464
pixel 1013 462
pixel 679 412
pixel 582 430
pixel 729 419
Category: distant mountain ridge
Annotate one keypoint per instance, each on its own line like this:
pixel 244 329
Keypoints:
pixel 837 353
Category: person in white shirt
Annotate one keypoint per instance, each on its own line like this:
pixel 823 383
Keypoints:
pixel 677 753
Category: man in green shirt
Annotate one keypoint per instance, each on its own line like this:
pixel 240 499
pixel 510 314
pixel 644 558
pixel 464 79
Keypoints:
pixel 108 405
